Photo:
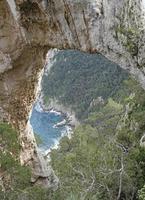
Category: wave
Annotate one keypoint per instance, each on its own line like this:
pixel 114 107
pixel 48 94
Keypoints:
pixel 54 146
pixel 60 124
pixel 38 107
pixel 64 130
pixel 55 112
pixel 67 131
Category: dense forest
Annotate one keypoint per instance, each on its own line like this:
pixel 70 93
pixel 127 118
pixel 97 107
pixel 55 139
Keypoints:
pixel 78 79
pixel 104 159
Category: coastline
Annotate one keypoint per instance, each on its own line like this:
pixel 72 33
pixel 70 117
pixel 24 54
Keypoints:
pixel 55 106
pixel 70 121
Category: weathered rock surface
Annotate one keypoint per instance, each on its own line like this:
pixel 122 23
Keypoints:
pixel 29 28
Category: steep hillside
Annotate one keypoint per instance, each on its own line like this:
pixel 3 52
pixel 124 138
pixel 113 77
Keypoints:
pixel 104 159
pixel 29 28
pixel 15 180
pixel 78 80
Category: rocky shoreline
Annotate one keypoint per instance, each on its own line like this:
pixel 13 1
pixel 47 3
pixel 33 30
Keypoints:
pixel 70 120
pixel 55 106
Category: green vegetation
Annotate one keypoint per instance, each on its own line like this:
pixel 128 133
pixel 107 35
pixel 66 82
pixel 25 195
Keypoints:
pixel 15 179
pixel 130 40
pixel 78 79
pixel 142 193
pixel 129 34
pixel 103 160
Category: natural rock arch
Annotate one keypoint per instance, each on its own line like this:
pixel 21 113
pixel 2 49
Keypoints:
pixel 29 28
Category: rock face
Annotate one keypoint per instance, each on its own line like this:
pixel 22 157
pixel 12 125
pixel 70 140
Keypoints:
pixel 29 28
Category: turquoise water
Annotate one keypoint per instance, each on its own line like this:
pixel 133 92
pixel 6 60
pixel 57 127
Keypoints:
pixel 44 125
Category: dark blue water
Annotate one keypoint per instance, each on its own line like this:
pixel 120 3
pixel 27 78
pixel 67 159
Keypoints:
pixel 43 124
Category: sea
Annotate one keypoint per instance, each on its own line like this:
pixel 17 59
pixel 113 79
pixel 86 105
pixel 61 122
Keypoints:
pixel 50 126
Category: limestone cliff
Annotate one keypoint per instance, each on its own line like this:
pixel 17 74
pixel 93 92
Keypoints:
pixel 29 28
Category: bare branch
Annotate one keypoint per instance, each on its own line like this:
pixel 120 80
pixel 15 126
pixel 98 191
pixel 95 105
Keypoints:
pixel 120 178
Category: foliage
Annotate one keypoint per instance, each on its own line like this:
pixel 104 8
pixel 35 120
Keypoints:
pixel 129 34
pixel 131 37
pixel 9 139
pixel 142 193
pixel 15 179
pixel 77 79
pixel 103 159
